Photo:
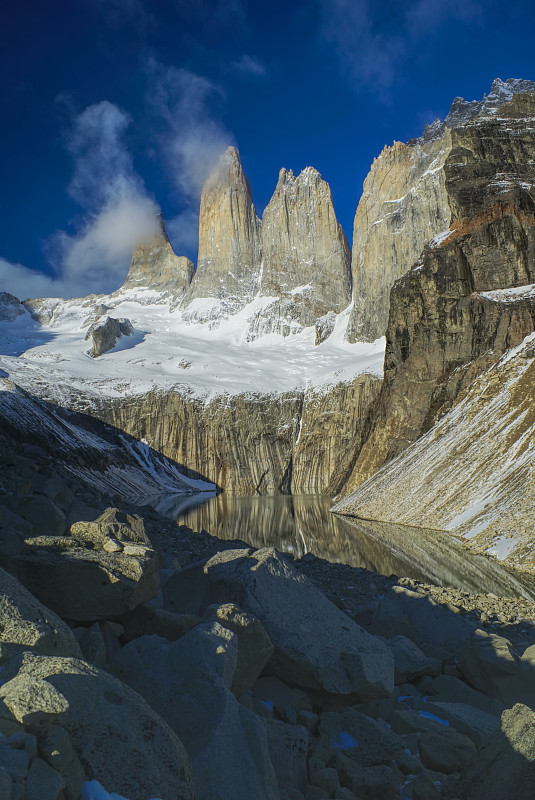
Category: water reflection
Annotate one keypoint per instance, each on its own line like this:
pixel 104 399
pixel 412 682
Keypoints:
pixel 301 524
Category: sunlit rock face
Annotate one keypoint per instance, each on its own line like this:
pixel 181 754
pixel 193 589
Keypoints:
pixel 229 238
pixel 305 254
pixel 410 196
pixel 443 329
pixel 295 263
pixel 403 205
pixel 155 266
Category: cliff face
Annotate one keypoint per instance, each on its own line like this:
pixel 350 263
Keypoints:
pixel 442 329
pixel 295 263
pixel 229 237
pixel 305 254
pixel 155 265
pixel 296 442
pixel 403 205
pixel 415 191
pixel 473 471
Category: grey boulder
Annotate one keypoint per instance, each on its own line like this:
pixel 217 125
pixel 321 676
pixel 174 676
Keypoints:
pixel 25 624
pixel 103 569
pixel 254 645
pixel 505 767
pixel 118 738
pixel 188 682
pixel 316 645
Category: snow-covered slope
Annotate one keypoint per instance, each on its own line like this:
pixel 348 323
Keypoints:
pixel 103 457
pixel 167 351
pixel 472 473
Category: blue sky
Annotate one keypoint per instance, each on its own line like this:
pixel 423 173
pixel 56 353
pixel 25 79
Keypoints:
pixel 111 107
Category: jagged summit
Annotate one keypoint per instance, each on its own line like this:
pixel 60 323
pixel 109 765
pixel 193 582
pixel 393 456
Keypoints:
pixel 154 265
pixel 305 253
pixel 462 111
pixel 501 92
pixel 229 237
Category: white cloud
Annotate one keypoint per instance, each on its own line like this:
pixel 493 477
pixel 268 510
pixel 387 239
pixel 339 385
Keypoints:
pixel 191 140
pixel 24 282
pixel 371 46
pixel 97 258
pixel 250 66
pixel 117 214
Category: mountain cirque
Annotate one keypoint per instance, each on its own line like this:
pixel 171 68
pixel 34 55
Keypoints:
pixel 156 661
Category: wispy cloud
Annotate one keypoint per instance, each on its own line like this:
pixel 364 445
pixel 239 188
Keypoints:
pixel 118 13
pixel 371 41
pixel 191 138
pixel 249 66
pixel 24 282
pixel 117 213
pixel 215 13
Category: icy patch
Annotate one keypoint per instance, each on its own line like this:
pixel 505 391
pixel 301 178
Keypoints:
pixel 503 546
pixel 439 238
pixel 510 295
pixel 302 289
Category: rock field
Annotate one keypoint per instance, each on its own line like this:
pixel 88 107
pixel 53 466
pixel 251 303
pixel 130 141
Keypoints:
pixel 169 664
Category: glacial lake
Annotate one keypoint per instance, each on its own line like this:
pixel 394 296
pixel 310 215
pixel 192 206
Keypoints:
pixel 302 524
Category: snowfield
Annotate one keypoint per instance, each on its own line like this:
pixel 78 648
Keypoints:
pixel 168 350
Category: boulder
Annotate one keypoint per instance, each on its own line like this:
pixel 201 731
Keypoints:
pixel 55 747
pixel 488 662
pixel 316 645
pixel 505 767
pixel 25 624
pixel 104 334
pixel 288 746
pixel 43 782
pixel 254 645
pixel 188 682
pixel 409 661
pixel 447 688
pixel 478 725
pixel 367 783
pixel 286 702
pixel 103 569
pixel 446 751
pixel 118 738
pixel 364 740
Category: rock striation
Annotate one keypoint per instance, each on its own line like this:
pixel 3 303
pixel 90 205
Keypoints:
pixel 297 442
pixel 403 205
pixel 154 265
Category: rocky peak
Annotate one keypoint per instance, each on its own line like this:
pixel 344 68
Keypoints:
pixel 10 307
pixel 229 237
pixel 304 249
pixel 501 92
pixel 154 265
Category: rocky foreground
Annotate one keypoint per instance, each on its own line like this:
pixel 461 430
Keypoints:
pixel 158 662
